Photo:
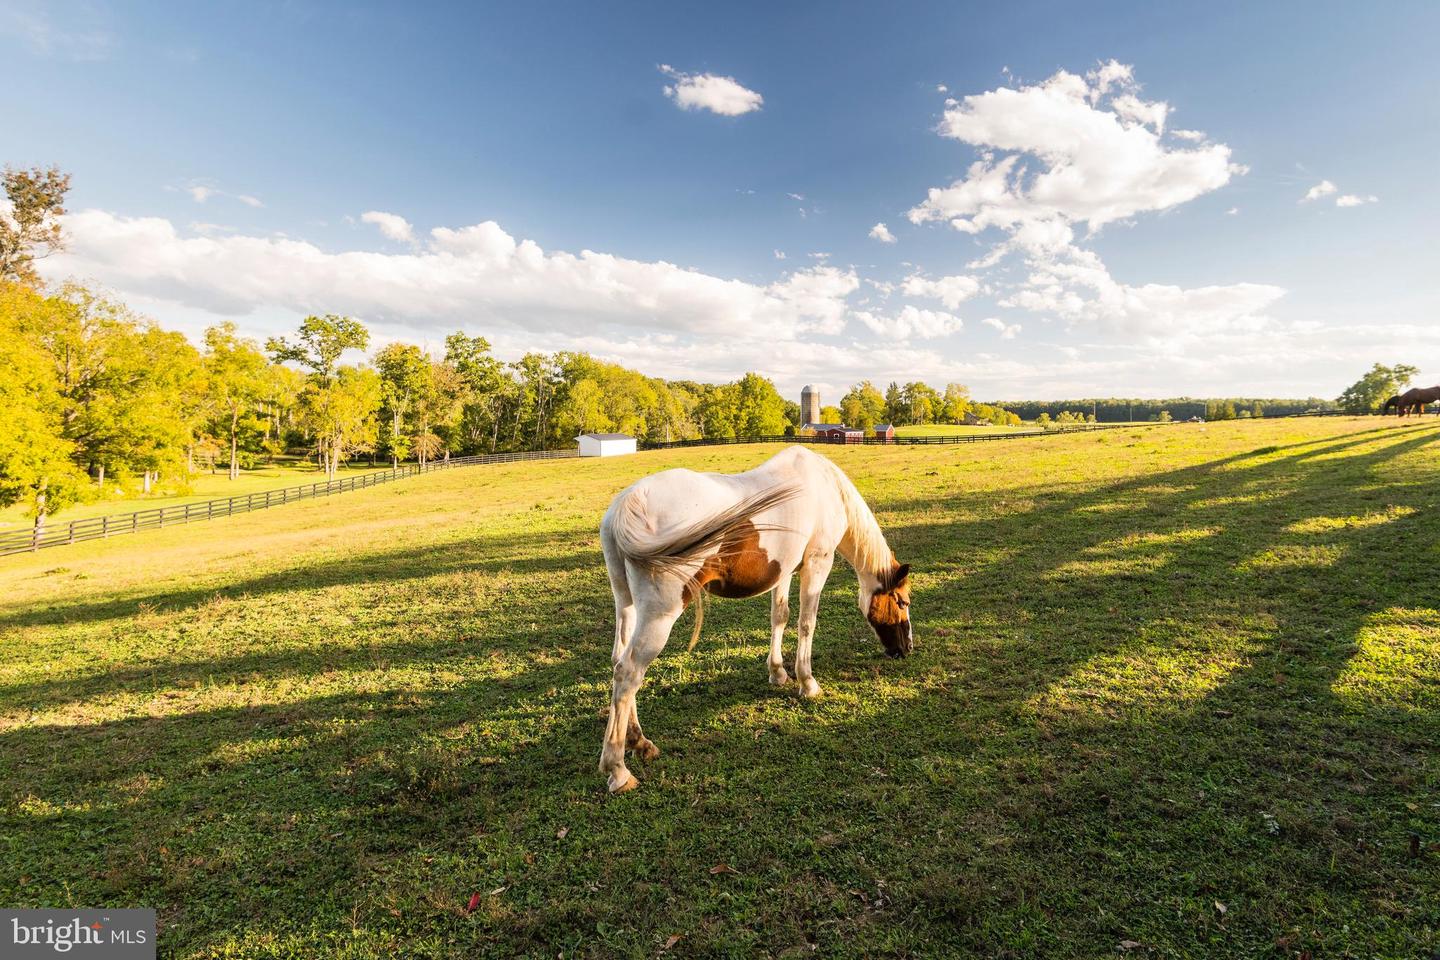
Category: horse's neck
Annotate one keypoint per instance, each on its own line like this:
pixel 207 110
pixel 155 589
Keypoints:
pixel 863 546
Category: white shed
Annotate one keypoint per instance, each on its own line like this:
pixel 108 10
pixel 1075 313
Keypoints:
pixel 605 444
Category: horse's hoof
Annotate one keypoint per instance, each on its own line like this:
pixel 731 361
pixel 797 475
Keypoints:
pixel 646 750
pixel 779 677
pixel 809 689
pixel 622 781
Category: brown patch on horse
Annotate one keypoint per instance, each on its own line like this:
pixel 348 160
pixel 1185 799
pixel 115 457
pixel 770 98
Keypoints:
pixel 885 609
pixel 740 569
pixel 889 612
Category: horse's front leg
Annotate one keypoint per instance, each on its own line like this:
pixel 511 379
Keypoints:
pixel 812 583
pixel 779 618
pixel 651 632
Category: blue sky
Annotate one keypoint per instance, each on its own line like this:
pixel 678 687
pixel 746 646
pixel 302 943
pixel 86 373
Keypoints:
pixel 225 159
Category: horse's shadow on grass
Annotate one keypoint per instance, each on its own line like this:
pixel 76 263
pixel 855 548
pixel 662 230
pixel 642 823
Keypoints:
pixel 978 743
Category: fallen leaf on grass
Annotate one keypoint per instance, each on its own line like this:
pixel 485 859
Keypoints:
pixel 1221 907
pixel 474 902
pixel 722 868
pixel 670 941
pixel 1129 944
pixel 560 834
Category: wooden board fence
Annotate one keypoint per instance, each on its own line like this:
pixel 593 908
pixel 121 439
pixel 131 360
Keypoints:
pixel 26 539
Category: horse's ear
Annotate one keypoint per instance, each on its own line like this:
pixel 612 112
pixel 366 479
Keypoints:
pixel 897 576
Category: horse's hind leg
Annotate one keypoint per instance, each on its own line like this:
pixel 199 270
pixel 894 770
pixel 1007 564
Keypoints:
pixel 624 601
pixel 779 617
pixel 651 632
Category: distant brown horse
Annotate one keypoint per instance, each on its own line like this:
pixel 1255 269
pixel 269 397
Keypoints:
pixel 1413 400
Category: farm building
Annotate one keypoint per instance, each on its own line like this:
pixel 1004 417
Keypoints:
pixel 605 444
pixel 836 432
pixel 809 405
pixel 885 431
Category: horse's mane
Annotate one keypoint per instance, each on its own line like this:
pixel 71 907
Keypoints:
pixel 871 553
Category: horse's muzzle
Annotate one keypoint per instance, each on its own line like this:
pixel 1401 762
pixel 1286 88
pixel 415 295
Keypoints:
pixel 903 644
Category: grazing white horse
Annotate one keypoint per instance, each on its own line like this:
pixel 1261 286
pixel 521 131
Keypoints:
pixel 673 536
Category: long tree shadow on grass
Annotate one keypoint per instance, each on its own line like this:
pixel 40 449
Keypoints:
pixel 992 795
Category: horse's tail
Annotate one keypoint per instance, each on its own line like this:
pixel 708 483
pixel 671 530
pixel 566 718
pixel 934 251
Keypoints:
pixel 699 619
pixel 673 550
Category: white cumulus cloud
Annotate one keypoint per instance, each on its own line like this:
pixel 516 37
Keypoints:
pixel 1078 287
pixel 393 225
pixel 709 91
pixel 1008 331
pixel 1354 200
pixel 1083 150
pixel 882 233
pixel 460 276
pixel 911 323
pixel 951 291
pixel 1074 151
pixel 1322 189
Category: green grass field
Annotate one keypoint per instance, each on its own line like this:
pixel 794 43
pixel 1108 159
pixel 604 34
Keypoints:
pixel 203 486
pixel 1176 693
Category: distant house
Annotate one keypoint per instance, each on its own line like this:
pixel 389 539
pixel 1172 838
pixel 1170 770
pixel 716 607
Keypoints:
pixel 836 432
pixel 605 444
pixel 885 431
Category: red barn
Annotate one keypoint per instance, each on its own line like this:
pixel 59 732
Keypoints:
pixel 836 432
pixel 885 431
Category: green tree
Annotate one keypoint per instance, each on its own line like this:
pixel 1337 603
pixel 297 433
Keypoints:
pixel 956 403
pixel 341 415
pixel 124 385
pixel 235 381
pixel 831 414
pixel 897 411
pixel 438 404
pixel 717 411
pixel 487 388
pixel 922 402
pixel 404 373
pixel 30 229
pixel 760 411
pixel 36 465
pixel 863 406
pixel 319 344
pixel 1379 384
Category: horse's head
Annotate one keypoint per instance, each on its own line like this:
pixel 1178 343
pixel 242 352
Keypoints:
pixel 886 604
pixel 1391 402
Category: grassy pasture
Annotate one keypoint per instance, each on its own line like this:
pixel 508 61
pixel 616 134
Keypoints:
pixel 1176 693
pixel 204 485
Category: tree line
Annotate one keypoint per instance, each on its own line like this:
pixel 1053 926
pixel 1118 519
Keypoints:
pixel 1121 410
pixel 98 396
pixel 864 407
